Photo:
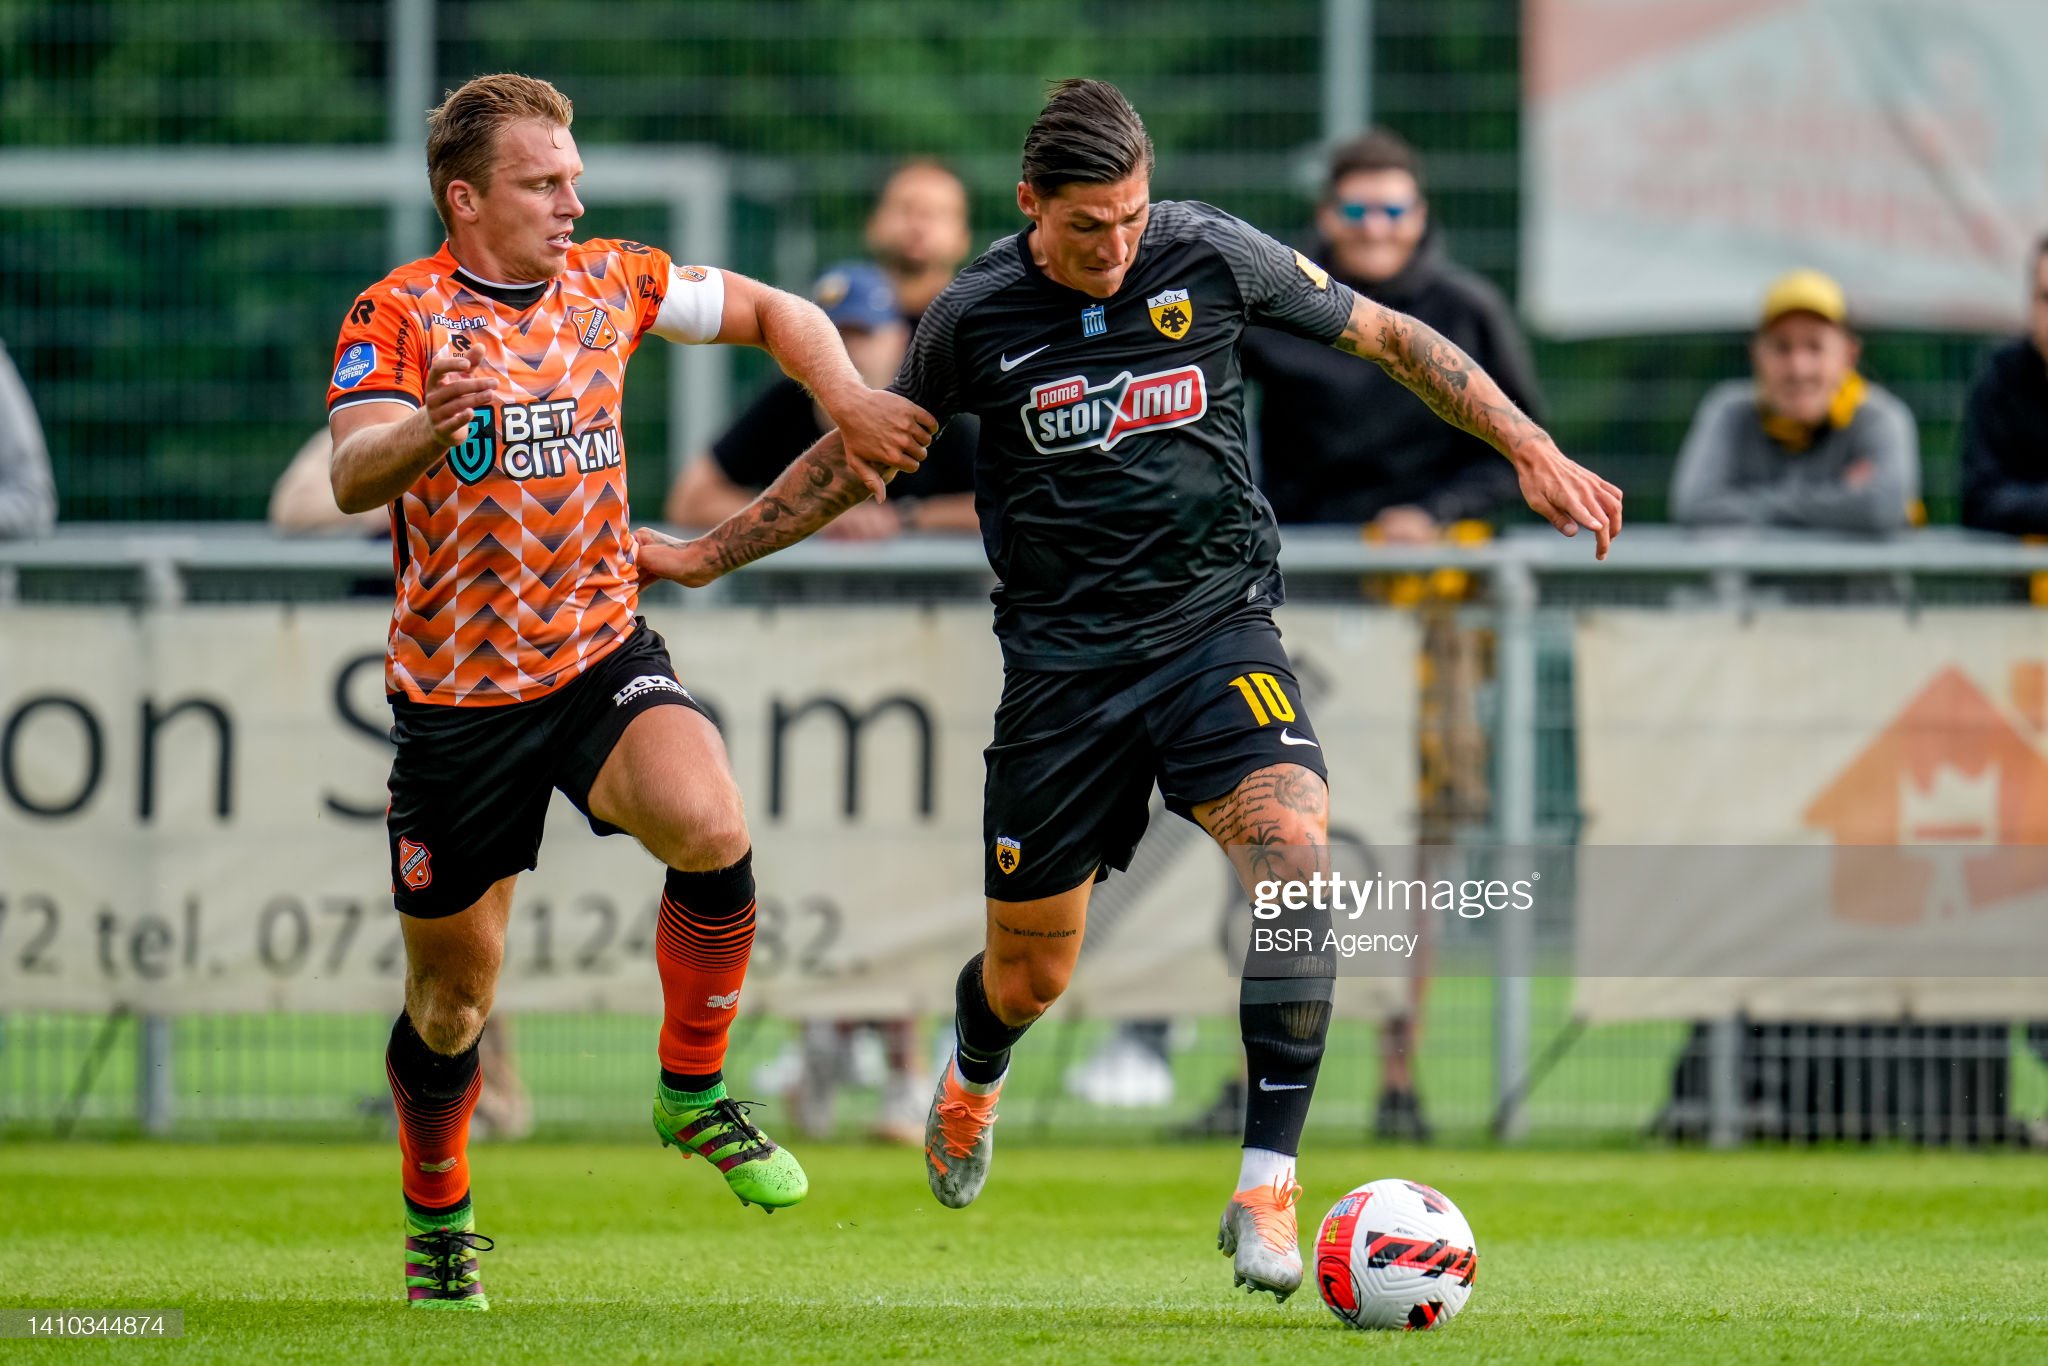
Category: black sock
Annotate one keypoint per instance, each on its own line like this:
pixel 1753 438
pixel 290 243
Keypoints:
pixel 719 897
pixel 1285 1021
pixel 426 1075
pixel 691 1081
pixel 983 1040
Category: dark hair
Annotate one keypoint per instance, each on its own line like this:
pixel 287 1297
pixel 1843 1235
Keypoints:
pixel 2041 250
pixel 1377 150
pixel 1087 134
pixel 462 134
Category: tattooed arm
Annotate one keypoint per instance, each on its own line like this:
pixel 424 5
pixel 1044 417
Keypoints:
pixel 818 486
pixel 1561 491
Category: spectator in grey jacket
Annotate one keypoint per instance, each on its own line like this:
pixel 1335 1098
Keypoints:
pixel 28 497
pixel 1808 442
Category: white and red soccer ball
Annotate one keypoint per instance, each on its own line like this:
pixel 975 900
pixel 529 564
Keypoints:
pixel 1395 1254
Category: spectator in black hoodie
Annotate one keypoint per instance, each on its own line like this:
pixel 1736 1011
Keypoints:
pixel 1346 444
pixel 1342 442
pixel 2005 427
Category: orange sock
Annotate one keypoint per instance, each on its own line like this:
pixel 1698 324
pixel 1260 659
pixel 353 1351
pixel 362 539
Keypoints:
pixel 701 948
pixel 435 1096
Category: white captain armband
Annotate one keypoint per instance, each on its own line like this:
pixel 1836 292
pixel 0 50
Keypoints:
pixel 693 309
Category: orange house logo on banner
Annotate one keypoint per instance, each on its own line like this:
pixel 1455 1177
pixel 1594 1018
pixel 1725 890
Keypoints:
pixel 1959 789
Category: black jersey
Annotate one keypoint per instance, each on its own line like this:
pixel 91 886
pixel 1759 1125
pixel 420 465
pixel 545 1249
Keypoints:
pixel 1112 478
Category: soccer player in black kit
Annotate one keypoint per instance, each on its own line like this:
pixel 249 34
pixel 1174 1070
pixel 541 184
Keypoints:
pixel 1136 560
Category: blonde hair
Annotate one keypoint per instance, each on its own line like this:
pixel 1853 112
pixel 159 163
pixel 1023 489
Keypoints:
pixel 462 135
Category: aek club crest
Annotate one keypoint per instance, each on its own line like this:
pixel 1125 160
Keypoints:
pixel 1173 313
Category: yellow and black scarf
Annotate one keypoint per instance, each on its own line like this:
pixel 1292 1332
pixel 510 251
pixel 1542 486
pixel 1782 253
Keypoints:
pixel 1798 436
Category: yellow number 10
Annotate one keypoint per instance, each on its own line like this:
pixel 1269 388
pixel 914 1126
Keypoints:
pixel 1262 694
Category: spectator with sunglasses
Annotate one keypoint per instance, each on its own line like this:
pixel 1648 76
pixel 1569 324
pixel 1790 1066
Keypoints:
pixel 1346 443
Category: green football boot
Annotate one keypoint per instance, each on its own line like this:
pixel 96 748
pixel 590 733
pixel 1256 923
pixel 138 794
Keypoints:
pixel 715 1127
pixel 440 1263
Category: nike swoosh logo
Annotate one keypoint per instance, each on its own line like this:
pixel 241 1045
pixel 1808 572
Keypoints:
pixel 1007 365
pixel 1265 1085
pixel 1288 737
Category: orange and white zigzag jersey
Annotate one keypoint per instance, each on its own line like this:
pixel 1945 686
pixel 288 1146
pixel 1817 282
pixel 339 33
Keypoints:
pixel 513 553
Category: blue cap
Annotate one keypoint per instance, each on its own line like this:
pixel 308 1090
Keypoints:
pixel 857 294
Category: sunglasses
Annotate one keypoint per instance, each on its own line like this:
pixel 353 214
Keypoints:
pixel 1358 210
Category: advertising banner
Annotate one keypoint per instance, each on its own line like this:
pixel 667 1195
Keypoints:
pixel 192 815
pixel 1850 811
pixel 1680 154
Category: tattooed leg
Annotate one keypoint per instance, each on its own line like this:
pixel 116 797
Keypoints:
pixel 1032 946
pixel 1032 949
pixel 1275 826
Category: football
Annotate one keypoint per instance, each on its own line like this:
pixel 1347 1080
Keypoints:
pixel 1395 1254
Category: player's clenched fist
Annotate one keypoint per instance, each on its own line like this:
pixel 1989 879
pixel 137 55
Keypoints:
pixel 882 431
pixel 454 395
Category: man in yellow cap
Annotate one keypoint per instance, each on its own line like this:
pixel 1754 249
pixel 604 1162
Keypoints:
pixel 1808 442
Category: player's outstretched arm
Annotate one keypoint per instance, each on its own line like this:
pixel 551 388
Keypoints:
pixel 377 457
pixel 1560 490
pixel 883 431
pixel 817 486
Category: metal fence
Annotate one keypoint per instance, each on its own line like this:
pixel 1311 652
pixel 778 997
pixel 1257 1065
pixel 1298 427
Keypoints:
pixel 1500 1051
pixel 178 344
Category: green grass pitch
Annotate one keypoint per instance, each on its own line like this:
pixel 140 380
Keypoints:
pixel 290 1252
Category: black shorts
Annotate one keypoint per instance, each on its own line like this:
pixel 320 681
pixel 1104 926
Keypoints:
pixel 471 785
pixel 1075 755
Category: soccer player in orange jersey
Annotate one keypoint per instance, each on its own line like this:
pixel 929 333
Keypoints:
pixel 477 395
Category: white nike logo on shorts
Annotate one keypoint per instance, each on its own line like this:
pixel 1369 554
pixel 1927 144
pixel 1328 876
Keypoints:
pixel 1006 365
pixel 1265 1085
pixel 1288 737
